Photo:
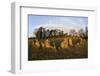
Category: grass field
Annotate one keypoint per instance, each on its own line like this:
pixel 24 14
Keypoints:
pixel 72 52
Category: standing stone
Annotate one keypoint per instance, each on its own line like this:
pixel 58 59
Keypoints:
pixel 64 43
pixel 47 44
pixel 36 44
pixel 42 45
pixel 70 42
pixel 81 41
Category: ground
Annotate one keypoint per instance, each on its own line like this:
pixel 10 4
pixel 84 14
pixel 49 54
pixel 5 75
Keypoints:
pixel 72 52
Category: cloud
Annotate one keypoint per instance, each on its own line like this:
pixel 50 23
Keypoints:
pixel 65 27
pixel 30 35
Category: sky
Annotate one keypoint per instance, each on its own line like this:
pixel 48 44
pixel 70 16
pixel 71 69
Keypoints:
pixel 64 23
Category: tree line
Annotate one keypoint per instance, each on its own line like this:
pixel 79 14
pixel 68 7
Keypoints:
pixel 42 33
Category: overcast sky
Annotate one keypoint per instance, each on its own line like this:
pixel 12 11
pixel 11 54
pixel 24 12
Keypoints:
pixel 64 23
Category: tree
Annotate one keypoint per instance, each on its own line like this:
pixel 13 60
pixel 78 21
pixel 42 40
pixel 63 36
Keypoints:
pixel 38 32
pixel 86 32
pixel 72 32
pixel 81 32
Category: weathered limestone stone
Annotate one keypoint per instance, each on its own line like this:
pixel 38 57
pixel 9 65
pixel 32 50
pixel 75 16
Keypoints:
pixel 64 43
pixel 42 45
pixel 36 44
pixel 70 42
pixel 47 44
pixel 81 41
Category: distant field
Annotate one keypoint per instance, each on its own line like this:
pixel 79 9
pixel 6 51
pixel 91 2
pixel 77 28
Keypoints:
pixel 72 52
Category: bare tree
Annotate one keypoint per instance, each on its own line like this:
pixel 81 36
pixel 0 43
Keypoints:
pixel 72 32
pixel 81 32
pixel 86 32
